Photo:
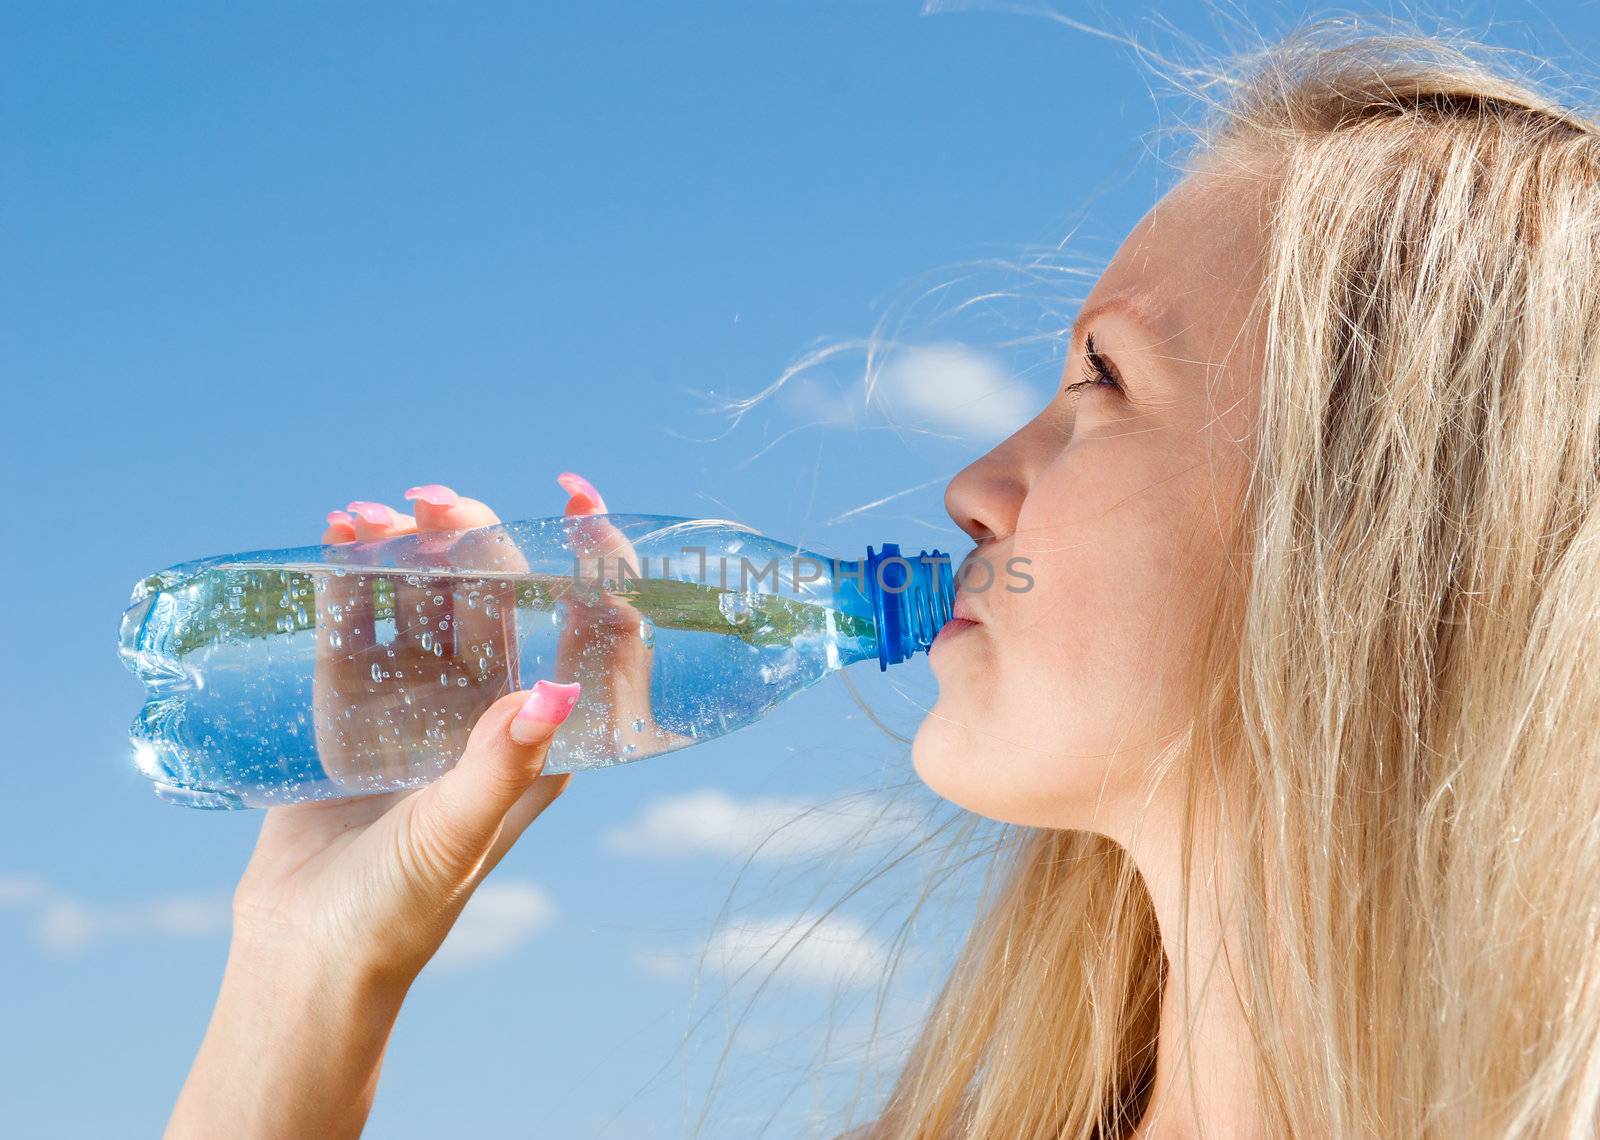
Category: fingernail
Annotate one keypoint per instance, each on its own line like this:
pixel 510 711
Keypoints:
pixel 337 517
pixel 373 514
pixel 578 485
pixel 434 494
pixel 548 703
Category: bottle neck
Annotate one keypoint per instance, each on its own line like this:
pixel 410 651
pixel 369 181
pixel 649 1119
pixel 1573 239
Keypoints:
pixel 908 598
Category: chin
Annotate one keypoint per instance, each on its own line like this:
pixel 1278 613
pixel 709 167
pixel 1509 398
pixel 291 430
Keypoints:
pixel 960 763
pixel 934 752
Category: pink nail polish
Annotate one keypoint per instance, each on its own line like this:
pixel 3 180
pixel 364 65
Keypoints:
pixel 548 703
pixel 373 514
pixel 434 494
pixel 577 485
pixel 337 517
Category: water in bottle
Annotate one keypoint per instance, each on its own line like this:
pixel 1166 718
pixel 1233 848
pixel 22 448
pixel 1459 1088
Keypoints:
pixel 321 672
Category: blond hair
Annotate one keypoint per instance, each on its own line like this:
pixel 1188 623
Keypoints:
pixel 1402 729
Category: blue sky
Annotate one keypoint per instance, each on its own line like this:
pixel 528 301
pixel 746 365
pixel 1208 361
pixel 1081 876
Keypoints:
pixel 262 259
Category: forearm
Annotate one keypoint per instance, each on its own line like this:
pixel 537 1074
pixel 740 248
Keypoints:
pixel 293 1049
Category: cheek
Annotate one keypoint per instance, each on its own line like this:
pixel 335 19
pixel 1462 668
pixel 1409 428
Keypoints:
pixel 1101 634
pixel 1076 679
pixel 1106 544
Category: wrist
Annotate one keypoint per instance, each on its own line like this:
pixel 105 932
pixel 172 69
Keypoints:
pixel 311 985
pixel 293 1048
pixel 320 945
pixel 301 968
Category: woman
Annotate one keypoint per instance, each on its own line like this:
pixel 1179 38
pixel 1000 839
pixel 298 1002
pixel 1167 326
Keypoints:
pixel 1299 724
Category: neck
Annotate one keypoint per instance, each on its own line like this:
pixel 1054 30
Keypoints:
pixel 1205 1076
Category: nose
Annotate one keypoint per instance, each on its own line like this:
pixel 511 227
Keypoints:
pixel 985 497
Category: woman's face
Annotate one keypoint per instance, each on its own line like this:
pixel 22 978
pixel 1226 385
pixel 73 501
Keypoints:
pixel 1113 501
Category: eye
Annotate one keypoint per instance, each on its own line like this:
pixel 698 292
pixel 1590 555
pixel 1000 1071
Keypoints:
pixel 1097 372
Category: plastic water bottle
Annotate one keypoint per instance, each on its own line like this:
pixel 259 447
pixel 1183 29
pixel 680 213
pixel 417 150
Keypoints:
pixel 321 672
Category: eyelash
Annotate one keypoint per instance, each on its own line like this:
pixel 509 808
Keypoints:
pixel 1096 372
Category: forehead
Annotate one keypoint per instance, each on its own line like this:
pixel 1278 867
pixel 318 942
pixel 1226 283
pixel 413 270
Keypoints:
pixel 1195 255
pixel 1193 263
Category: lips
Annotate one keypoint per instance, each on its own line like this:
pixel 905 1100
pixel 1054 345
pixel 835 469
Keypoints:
pixel 961 617
pixel 950 629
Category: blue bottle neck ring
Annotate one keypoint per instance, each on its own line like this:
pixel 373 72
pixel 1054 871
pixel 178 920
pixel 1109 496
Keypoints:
pixel 910 598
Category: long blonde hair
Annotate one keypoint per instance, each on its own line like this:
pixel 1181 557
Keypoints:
pixel 1402 729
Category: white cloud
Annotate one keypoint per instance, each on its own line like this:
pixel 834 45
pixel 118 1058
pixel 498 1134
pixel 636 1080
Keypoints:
pixel 668 965
pixel 711 822
pixel 20 890
pixel 952 387
pixel 944 387
pixel 65 925
pixel 814 400
pixel 838 951
pixel 832 951
pixel 499 918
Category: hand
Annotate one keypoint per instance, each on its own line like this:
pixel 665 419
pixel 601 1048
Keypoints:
pixel 378 880
pixel 344 901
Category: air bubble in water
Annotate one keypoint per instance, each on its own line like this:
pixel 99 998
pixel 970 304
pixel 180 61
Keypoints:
pixel 647 632
pixel 638 724
pixel 735 607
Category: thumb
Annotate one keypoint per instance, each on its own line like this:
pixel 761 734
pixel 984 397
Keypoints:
pixel 458 816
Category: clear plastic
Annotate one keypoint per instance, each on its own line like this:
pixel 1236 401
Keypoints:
pixel 322 672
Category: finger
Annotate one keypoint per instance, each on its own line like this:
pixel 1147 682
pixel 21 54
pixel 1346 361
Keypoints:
pixel 375 521
pixel 585 500
pixel 333 595
pixel 459 816
pixel 600 642
pixel 527 809
pixel 341 528
pixel 440 508
pixel 601 547
pixel 344 602
pixel 604 552
pixel 597 538
pixel 344 634
pixel 483 612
